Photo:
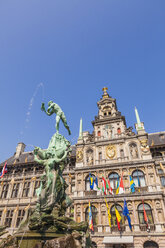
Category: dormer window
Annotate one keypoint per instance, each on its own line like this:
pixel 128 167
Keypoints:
pixel 105 114
pixel 119 130
pixel 99 133
pixel 109 113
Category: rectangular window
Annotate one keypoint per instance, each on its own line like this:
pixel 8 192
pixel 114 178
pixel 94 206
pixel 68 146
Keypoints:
pixel 162 180
pixel 4 191
pixel 15 189
pixel 9 216
pixel 21 214
pixel 100 155
pixel 36 186
pixel 26 189
pixel 1 214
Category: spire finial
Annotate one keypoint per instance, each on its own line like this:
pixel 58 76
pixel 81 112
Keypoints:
pixel 139 125
pixel 80 130
pixel 137 117
pixel 105 93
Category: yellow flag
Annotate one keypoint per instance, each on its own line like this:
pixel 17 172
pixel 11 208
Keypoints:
pixel 12 181
pixel 70 177
pixel 152 144
pixel 117 215
pixel 109 214
pixel 5 210
pixel 26 160
pixel 15 161
pixel 162 167
pixel 27 207
pixel 16 209
pixel 33 178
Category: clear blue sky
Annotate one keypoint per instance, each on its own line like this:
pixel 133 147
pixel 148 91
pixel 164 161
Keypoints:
pixel 75 48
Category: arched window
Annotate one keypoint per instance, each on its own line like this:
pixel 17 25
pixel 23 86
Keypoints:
pixel 113 178
pixel 139 178
pixel 148 212
pixel 87 182
pixel 113 213
pixel 93 245
pixel 94 215
pixel 150 244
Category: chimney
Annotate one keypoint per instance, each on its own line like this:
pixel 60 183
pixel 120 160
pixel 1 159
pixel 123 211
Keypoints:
pixel 19 149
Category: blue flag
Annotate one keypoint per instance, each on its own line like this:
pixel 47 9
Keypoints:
pixel 132 185
pixel 91 181
pixel 126 214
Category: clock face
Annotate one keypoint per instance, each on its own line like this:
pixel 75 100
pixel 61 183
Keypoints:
pixel 110 151
pixel 79 156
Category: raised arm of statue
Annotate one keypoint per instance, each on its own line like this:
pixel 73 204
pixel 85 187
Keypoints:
pixel 49 110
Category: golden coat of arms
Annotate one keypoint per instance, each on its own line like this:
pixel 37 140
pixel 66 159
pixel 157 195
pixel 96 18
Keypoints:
pixel 110 151
pixel 79 155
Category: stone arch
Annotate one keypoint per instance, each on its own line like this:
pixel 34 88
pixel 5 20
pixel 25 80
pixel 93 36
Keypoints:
pixel 150 244
pixel 139 178
pixel 113 178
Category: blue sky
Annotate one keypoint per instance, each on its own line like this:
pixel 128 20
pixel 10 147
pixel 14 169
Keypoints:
pixel 75 48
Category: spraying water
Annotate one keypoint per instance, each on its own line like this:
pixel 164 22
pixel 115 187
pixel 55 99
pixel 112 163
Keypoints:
pixel 28 113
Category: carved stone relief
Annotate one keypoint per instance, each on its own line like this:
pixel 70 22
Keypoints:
pixel 110 151
pixel 89 157
pixel 144 146
pixel 79 155
pixel 133 150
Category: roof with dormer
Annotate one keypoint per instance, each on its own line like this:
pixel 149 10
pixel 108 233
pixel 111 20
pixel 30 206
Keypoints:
pixel 156 139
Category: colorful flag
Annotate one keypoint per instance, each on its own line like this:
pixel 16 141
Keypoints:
pixel 118 218
pixel 126 214
pixel 121 186
pixel 90 218
pixel 132 185
pixel 4 170
pixel 109 214
pixel 145 215
pixel 138 180
pixel 117 186
pixel 96 187
pixel 110 188
pixel 162 167
pixel 91 181
pixel 70 177
pixel 104 185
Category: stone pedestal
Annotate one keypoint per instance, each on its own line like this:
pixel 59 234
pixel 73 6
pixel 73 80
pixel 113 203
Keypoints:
pixel 46 240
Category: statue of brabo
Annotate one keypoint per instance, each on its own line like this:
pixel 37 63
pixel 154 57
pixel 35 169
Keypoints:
pixel 51 192
pixel 48 219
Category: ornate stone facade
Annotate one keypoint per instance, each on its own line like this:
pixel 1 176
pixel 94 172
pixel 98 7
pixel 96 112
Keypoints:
pixel 112 150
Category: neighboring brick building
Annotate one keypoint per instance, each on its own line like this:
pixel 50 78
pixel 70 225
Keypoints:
pixel 111 150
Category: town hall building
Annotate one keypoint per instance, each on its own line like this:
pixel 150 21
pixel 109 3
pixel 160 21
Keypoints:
pixel 112 151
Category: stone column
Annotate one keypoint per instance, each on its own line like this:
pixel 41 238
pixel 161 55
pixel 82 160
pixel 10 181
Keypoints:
pixel 157 224
pixel 136 224
pixel 99 218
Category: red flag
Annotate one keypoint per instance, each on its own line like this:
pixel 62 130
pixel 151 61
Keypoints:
pixel 145 215
pixel 104 185
pixel 110 188
pixel 121 186
pixel 118 224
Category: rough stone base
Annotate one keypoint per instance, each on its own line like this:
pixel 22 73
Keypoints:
pixel 46 240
